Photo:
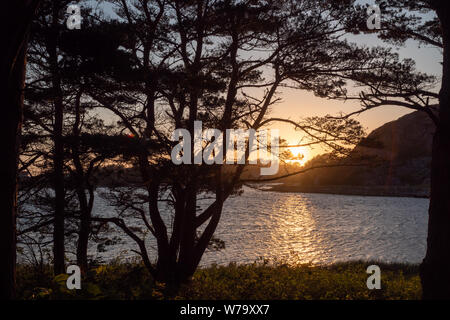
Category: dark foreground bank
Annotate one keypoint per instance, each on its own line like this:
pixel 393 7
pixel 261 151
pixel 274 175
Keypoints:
pixel 258 281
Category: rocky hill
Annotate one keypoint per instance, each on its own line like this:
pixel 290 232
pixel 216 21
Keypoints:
pixel 400 158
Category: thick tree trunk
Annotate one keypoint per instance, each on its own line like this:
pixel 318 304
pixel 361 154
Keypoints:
pixel 435 268
pixel 58 152
pixel 187 244
pixel 11 126
pixel 16 17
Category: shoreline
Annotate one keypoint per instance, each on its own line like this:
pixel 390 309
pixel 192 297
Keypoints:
pixel 370 191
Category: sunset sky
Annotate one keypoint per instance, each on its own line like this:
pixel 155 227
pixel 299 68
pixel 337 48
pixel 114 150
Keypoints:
pixel 298 104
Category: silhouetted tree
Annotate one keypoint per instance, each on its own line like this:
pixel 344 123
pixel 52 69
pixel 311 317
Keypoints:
pixel 16 17
pixel 63 63
pixel 47 31
pixel 190 62
pixel 427 22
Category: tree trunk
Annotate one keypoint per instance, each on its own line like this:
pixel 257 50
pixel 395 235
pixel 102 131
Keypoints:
pixel 85 209
pixel 58 184
pixel 58 152
pixel 188 233
pixel 81 182
pixel 84 231
pixel 435 268
pixel 11 127
pixel 16 18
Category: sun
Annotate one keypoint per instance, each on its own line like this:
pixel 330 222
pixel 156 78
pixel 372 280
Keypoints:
pixel 301 155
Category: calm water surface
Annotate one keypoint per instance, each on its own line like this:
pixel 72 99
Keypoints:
pixel 299 227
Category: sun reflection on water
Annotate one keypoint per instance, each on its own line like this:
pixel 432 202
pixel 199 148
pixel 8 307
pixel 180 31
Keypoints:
pixel 307 228
pixel 295 235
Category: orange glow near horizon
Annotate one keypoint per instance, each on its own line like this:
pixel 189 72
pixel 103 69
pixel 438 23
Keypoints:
pixel 301 155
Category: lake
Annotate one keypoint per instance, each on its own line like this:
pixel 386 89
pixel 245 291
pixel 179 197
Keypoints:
pixel 306 228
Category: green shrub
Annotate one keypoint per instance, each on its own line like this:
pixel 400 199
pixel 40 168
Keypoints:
pixel 262 280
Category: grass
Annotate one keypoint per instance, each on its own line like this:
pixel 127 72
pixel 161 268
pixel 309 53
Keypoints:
pixel 341 281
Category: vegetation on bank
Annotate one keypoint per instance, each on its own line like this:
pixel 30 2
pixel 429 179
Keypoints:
pixel 131 281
